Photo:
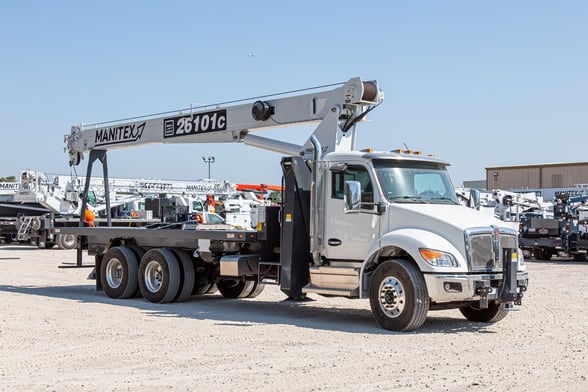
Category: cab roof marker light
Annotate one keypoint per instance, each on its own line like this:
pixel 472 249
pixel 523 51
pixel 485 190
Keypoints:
pixel 409 152
pixel 369 149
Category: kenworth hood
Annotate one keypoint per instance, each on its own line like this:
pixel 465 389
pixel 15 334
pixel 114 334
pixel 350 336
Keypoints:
pixel 448 221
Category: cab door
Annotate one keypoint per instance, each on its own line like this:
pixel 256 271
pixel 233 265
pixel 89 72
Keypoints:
pixel 349 236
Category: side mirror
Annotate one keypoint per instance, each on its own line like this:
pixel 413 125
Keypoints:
pixel 352 196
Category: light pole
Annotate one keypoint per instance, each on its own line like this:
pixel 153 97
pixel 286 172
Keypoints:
pixel 209 160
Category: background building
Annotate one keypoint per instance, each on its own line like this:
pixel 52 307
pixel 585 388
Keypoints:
pixel 548 178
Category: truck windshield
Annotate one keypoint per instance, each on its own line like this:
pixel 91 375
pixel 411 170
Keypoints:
pixel 415 182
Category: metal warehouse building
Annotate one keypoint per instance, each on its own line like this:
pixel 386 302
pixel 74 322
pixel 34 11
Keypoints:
pixel 544 175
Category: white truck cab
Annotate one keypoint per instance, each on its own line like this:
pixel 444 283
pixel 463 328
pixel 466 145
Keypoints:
pixel 398 212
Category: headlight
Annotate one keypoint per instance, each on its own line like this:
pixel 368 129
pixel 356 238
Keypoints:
pixel 437 258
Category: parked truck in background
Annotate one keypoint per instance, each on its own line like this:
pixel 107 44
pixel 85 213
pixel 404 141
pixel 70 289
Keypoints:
pixel 376 224
pixel 564 231
pixel 31 209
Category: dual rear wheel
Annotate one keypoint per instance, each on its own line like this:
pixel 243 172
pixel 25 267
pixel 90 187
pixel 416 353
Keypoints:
pixel 161 275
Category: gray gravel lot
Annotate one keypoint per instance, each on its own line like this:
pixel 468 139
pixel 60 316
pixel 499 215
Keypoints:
pixel 58 334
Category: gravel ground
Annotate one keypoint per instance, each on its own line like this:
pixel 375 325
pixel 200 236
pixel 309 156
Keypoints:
pixel 58 334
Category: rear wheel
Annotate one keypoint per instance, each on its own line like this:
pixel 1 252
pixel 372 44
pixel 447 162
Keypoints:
pixel 492 314
pixel 187 276
pixel 543 253
pixel 66 241
pixel 159 276
pixel 202 286
pixel 235 288
pixel 398 296
pixel 257 289
pixel 118 273
pixel 43 243
pixel 212 288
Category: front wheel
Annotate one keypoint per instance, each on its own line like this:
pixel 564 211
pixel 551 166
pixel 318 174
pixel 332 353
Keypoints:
pixel 492 314
pixel 398 296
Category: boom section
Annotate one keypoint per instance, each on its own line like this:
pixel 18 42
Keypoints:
pixel 337 110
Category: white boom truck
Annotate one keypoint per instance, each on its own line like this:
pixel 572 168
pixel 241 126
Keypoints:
pixel 359 224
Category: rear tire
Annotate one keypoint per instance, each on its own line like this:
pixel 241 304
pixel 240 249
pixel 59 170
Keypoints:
pixel 543 253
pixel 159 276
pixel 43 243
pixel 398 296
pixel 118 273
pixel 257 289
pixel 212 288
pixel 492 314
pixel 235 288
pixel 187 276
pixel 66 241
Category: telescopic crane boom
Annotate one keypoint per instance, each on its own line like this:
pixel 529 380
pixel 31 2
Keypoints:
pixel 338 110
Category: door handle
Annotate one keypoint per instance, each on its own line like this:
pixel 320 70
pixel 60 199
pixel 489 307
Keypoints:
pixel 334 241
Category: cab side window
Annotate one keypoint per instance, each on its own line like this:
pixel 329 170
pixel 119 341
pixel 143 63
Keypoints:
pixel 353 173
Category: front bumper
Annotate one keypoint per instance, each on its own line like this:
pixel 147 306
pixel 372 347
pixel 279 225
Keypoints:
pixel 459 287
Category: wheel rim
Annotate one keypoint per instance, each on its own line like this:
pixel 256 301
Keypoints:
pixel 153 276
pixel 392 298
pixel 69 240
pixel 114 273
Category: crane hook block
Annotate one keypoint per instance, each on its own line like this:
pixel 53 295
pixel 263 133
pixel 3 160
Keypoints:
pixel 261 110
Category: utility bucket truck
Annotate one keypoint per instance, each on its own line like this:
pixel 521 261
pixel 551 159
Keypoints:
pixel 380 225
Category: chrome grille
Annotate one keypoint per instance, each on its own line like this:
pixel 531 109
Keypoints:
pixel 483 252
pixel 508 241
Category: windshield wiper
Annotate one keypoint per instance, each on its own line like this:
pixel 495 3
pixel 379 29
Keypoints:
pixel 408 198
pixel 444 199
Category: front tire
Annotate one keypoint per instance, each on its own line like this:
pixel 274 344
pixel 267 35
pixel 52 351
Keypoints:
pixel 492 314
pixel 398 296
pixel 118 273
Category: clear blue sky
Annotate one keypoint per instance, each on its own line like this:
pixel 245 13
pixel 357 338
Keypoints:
pixel 477 83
